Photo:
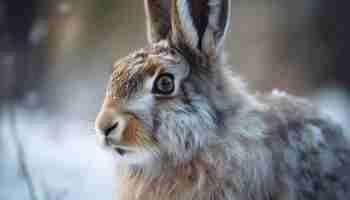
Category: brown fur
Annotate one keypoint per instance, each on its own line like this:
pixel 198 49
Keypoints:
pixel 135 134
pixel 185 181
pixel 125 75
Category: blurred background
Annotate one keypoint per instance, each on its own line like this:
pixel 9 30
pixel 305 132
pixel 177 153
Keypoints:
pixel 56 57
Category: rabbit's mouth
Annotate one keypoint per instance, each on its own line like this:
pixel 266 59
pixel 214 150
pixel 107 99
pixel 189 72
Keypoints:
pixel 122 151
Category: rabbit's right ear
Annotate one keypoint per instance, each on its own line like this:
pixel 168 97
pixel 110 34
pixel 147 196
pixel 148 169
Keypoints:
pixel 200 25
pixel 158 19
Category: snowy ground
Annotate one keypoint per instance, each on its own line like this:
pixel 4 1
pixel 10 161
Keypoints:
pixel 70 166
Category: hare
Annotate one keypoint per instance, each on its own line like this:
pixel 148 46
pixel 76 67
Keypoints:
pixel 186 128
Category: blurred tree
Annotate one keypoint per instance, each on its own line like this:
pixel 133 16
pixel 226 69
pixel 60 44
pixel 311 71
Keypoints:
pixel 21 69
pixel 335 26
pixel 20 55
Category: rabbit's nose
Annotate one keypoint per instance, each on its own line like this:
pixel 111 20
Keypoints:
pixel 111 125
pixel 105 125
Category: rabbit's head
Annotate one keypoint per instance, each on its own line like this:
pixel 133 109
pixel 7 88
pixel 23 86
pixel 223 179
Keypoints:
pixel 158 101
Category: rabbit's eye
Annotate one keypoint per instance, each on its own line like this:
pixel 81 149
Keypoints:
pixel 164 84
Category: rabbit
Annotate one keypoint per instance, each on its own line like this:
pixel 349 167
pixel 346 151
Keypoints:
pixel 184 127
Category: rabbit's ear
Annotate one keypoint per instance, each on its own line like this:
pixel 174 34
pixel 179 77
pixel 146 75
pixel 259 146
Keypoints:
pixel 158 19
pixel 200 24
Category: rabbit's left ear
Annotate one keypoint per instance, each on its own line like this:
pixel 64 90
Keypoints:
pixel 200 24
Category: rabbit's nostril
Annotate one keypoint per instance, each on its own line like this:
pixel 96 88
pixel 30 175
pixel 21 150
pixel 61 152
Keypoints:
pixel 110 129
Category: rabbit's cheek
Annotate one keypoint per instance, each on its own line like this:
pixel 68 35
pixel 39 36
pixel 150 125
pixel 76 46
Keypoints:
pixel 135 135
pixel 141 106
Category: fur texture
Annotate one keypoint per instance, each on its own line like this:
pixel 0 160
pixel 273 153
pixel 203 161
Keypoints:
pixel 211 139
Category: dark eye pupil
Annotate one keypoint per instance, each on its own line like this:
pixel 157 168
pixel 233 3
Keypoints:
pixel 165 84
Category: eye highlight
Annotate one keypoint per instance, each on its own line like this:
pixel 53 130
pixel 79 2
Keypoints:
pixel 164 84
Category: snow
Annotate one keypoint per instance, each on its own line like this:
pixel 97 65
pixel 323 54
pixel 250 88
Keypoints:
pixel 70 168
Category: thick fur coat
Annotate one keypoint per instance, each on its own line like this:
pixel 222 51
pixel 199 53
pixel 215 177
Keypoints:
pixel 209 138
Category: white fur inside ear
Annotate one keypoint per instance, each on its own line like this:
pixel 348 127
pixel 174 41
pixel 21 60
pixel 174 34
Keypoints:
pixel 215 13
pixel 187 23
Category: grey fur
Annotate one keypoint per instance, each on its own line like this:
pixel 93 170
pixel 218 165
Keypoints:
pixel 231 144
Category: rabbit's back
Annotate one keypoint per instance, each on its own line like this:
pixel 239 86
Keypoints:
pixel 310 153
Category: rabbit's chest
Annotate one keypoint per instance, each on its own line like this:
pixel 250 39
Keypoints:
pixel 169 188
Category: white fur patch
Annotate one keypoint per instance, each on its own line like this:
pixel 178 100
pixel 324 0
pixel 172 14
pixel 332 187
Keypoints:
pixel 141 104
pixel 187 23
pixel 313 135
pixel 139 157
pixel 213 26
pixel 279 93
